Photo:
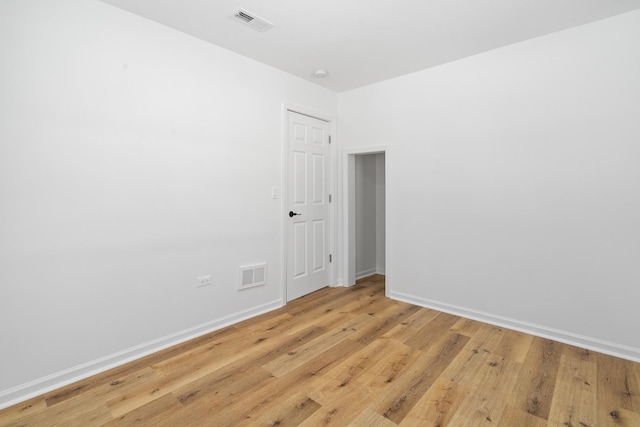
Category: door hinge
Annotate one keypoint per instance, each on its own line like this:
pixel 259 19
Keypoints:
pixel 329 198
pixel 330 258
pixel 329 139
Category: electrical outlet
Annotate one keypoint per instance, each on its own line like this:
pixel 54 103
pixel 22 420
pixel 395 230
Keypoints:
pixel 204 281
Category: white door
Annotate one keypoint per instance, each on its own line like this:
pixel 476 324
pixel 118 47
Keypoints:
pixel 308 205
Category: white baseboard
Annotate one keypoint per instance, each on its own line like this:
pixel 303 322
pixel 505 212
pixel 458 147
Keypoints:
pixel 59 379
pixel 366 273
pixel 601 346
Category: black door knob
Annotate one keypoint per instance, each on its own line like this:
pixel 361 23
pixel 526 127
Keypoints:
pixel 292 214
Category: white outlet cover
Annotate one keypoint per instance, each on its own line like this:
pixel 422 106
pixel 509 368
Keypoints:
pixel 204 280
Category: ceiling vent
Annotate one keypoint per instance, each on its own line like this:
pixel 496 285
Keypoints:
pixel 250 19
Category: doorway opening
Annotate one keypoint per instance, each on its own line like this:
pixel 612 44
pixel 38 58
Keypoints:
pixel 366 234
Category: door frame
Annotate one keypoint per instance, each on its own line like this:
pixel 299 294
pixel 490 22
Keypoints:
pixel 349 214
pixel 285 181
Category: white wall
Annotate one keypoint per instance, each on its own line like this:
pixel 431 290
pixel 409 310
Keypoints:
pixel 515 191
pixel 133 159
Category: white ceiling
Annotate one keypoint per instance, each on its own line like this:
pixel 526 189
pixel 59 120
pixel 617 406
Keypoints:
pixel 360 42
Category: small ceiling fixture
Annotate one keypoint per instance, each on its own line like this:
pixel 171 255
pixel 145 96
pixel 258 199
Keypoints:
pixel 320 73
pixel 250 19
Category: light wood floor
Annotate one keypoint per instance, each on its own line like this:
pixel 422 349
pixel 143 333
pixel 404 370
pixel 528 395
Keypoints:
pixel 349 356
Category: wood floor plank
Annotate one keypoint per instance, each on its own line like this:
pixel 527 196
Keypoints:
pixel 514 417
pixel 91 405
pixel 68 415
pixel 438 326
pixel 278 348
pixel 575 399
pixel 355 365
pixel 144 392
pixel 350 356
pixel 306 378
pixel 398 358
pixel 276 399
pixel 538 378
pixel 492 383
pixel 264 395
pixel 473 357
pixel 151 413
pixel 22 410
pixel 219 385
pixel 386 320
pixel 487 339
pixel 334 312
pixel 291 411
pixel 412 325
pixel 623 417
pixel 303 354
pixel 224 402
pixel 514 345
pixel 466 327
pixel 173 375
pixel 332 392
pixel 338 411
pixel 410 386
pixel 281 412
pixel 369 418
pixel 407 389
pixel 617 391
pixel 438 405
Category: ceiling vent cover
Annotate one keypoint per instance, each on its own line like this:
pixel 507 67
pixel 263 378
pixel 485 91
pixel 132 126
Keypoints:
pixel 251 19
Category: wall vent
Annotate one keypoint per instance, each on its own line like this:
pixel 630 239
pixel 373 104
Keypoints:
pixel 252 275
pixel 250 19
